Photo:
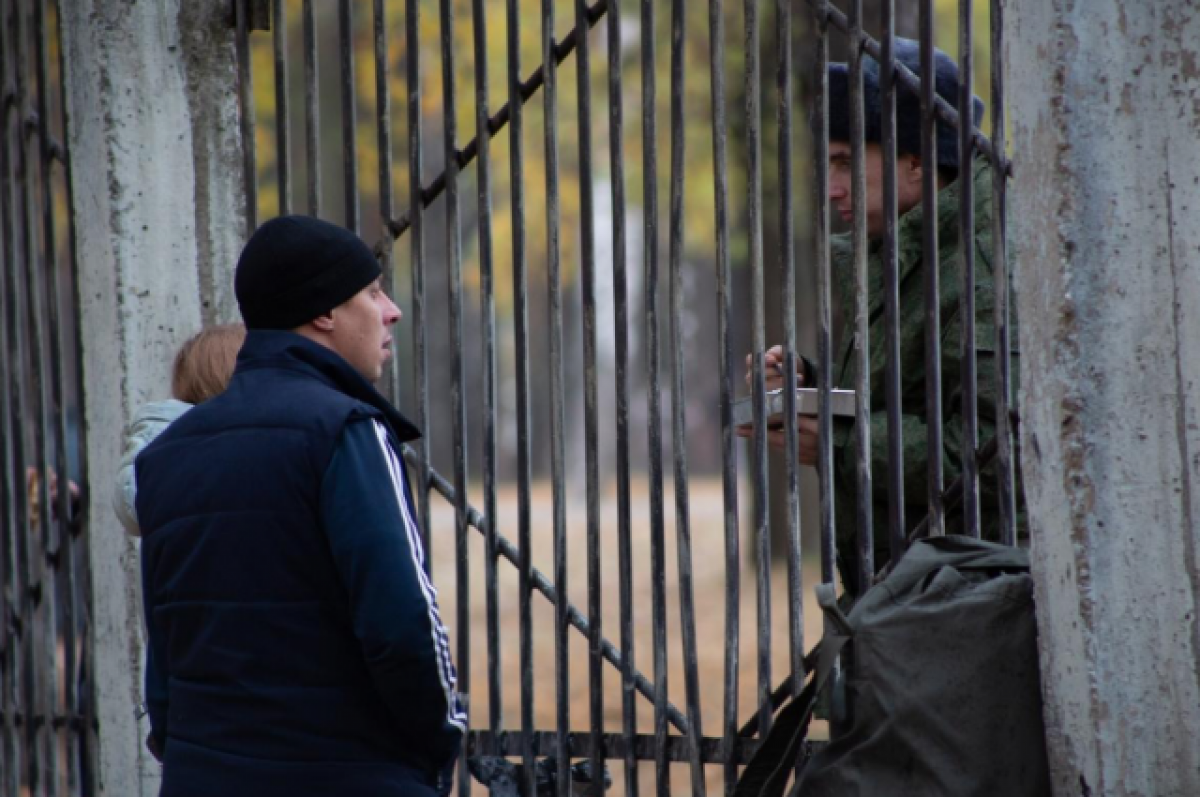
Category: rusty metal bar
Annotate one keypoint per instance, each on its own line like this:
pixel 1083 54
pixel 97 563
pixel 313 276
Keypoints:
pixel 865 566
pixel 12 747
pixel 679 436
pixel 383 138
pixel 246 99
pixel 891 288
pixel 787 271
pixel 487 279
pixel 524 560
pixel 762 520
pixel 80 705
pixel 562 707
pixel 933 311
pixel 33 462
pixel 824 298
pixel 283 138
pixel 591 420
pixel 966 215
pixel 312 110
pixel 729 478
pixel 458 404
pixel 59 621
pixel 412 61
pixel 658 588
pixel 349 114
pixel 1005 466
pixel 621 333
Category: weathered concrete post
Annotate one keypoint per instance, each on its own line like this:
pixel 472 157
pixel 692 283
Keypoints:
pixel 1105 118
pixel 156 174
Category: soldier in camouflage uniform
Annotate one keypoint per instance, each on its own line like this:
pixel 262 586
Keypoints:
pixel 912 263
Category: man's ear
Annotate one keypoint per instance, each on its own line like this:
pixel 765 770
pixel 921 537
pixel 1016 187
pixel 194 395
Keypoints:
pixel 323 322
pixel 912 171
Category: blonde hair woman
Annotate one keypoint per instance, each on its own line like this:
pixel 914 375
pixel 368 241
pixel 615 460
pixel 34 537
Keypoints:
pixel 202 371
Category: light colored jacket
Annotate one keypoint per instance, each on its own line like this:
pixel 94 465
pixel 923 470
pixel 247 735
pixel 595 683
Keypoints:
pixel 148 423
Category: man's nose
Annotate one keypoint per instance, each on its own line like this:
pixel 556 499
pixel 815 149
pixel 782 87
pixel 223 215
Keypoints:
pixel 392 313
pixel 837 189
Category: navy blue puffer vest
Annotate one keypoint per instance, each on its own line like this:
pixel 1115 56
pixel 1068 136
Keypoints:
pixel 267 691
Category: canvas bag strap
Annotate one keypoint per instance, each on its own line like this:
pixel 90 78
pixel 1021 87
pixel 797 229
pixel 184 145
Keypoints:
pixel 768 771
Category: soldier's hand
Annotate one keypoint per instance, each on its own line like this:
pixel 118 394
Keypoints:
pixel 773 367
pixel 808 440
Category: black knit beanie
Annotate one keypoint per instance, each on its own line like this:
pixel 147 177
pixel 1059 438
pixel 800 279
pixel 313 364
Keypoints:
pixel 295 268
pixel 908 104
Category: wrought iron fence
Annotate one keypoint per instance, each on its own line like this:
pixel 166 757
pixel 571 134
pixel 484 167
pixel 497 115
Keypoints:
pixel 677 734
pixel 46 723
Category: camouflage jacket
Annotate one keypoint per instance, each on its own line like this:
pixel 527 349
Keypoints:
pixel 912 368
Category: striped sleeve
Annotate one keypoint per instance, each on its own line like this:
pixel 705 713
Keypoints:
pixel 367 515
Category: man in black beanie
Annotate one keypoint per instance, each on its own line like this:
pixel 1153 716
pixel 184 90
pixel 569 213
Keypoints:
pixel 295 646
pixel 912 263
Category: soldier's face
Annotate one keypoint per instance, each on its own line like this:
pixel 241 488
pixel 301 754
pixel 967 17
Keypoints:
pixel 908 184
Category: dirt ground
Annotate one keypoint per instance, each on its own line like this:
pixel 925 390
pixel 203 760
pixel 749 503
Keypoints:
pixel 707 525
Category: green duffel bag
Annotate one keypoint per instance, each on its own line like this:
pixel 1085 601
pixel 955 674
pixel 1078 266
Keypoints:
pixel 941 688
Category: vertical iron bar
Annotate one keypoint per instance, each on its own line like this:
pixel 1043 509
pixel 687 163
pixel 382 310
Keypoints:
pixel 787 270
pixel 762 520
pixel 970 371
pixel 458 364
pixel 891 288
pixel 1003 376
pixel 683 529
pixel 487 275
pixel 412 60
pixel 591 432
pixel 729 480
pixel 283 138
pixel 383 110
pixel 658 589
pixel 58 543
pixel 349 114
pixel 521 332
pixel 824 296
pixel 933 311
pixel 862 343
pixel 557 455
pixel 312 110
pixel 10 366
pixel 39 706
pixel 77 566
pixel 621 321
pixel 246 100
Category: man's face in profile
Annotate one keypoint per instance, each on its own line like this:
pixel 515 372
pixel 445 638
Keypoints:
pixel 908 184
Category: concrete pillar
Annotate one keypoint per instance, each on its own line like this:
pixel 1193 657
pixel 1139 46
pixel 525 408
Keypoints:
pixel 1105 108
pixel 156 165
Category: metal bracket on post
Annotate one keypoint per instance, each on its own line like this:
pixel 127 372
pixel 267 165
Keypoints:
pixel 258 14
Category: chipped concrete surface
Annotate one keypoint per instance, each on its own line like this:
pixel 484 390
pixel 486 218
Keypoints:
pixel 141 242
pixel 1104 102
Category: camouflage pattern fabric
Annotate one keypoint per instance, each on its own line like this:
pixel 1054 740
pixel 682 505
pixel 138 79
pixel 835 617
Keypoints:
pixel 912 370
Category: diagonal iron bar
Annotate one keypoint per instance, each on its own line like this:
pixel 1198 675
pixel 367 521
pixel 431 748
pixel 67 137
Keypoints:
pixel 398 226
pixel 546 587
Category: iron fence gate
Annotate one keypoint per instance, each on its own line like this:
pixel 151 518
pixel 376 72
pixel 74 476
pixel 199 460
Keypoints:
pixel 45 716
pixel 523 320
pixel 431 232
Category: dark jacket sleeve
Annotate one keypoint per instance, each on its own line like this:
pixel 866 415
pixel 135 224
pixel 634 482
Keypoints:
pixel 373 535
